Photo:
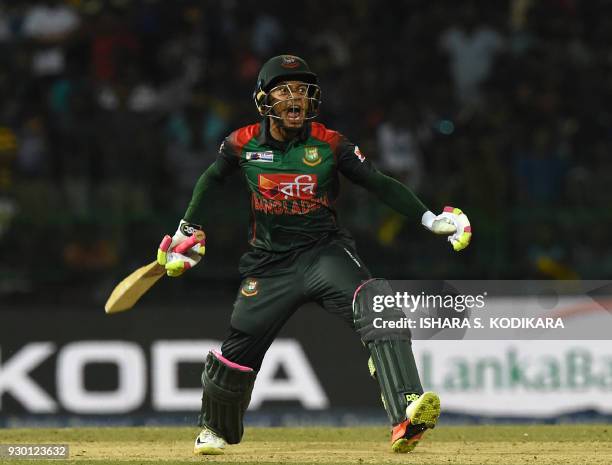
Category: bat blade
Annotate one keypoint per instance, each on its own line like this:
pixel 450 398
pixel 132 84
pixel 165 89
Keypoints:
pixel 131 289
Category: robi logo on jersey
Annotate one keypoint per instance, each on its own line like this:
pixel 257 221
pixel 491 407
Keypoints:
pixel 287 186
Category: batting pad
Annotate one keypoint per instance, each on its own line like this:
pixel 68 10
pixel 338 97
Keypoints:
pixel 391 351
pixel 226 396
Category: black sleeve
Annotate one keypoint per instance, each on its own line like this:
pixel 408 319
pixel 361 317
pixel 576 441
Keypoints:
pixel 212 179
pixel 358 169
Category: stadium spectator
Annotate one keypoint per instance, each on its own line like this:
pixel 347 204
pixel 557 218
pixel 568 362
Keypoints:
pixel 117 106
pixel 472 48
pixel 49 24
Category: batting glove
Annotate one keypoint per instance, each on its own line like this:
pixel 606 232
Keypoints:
pixel 182 251
pixel 452 223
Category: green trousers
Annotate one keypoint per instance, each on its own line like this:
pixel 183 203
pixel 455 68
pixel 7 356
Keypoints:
pixel 327 274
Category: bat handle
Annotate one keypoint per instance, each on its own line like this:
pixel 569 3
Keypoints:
pixel 188 243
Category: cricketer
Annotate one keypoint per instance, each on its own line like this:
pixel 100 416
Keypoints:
pixel 300 254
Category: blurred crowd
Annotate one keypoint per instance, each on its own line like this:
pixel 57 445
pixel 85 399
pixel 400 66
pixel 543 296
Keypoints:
pixel 110 111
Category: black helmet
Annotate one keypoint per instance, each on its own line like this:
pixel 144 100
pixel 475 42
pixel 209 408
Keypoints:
pixel 283 68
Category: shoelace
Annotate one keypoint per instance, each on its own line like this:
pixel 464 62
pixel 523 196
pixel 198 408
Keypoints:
pixel 208 435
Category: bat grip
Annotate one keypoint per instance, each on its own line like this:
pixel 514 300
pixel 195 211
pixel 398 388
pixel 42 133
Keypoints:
pixel 190 242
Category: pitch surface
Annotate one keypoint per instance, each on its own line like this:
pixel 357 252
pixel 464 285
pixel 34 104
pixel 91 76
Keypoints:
pixel 457 445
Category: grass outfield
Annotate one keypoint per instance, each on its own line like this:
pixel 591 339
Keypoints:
pixel 529 444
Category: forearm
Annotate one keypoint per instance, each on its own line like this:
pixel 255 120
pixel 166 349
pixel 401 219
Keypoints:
pixel 211 180
pixel 403 200
pixel 396 195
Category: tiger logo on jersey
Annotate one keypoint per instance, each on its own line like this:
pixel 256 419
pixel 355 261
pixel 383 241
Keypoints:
pixel 311 156
pixel 287 186
pixel 249 288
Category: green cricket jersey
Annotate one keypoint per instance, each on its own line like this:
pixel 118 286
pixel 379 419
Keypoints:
pixel 293 185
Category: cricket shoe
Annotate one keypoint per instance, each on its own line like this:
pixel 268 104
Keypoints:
pixel 421 415
pixel 208 443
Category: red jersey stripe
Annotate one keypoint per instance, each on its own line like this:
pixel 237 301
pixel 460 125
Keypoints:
pixel 319 131
pixel 241 136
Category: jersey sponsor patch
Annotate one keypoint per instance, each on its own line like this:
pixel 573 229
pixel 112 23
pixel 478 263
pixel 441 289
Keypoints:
pixel 265 157
pixel 287 186
pixel 359 155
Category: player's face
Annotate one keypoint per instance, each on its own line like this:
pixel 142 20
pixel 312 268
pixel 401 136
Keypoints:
pixel 290 103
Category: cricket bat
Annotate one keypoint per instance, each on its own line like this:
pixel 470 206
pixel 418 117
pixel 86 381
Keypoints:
pixel 132 288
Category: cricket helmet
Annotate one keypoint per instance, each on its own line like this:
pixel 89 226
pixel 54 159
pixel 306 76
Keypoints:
pixel 285 68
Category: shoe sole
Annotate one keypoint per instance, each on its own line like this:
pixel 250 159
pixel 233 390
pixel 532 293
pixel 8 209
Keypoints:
pixel 207 451
pixel 426 413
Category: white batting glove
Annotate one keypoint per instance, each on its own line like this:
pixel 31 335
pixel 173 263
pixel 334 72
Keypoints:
pixel 182 251
pixel 452 222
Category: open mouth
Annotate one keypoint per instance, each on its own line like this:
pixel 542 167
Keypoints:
pixel 294 113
